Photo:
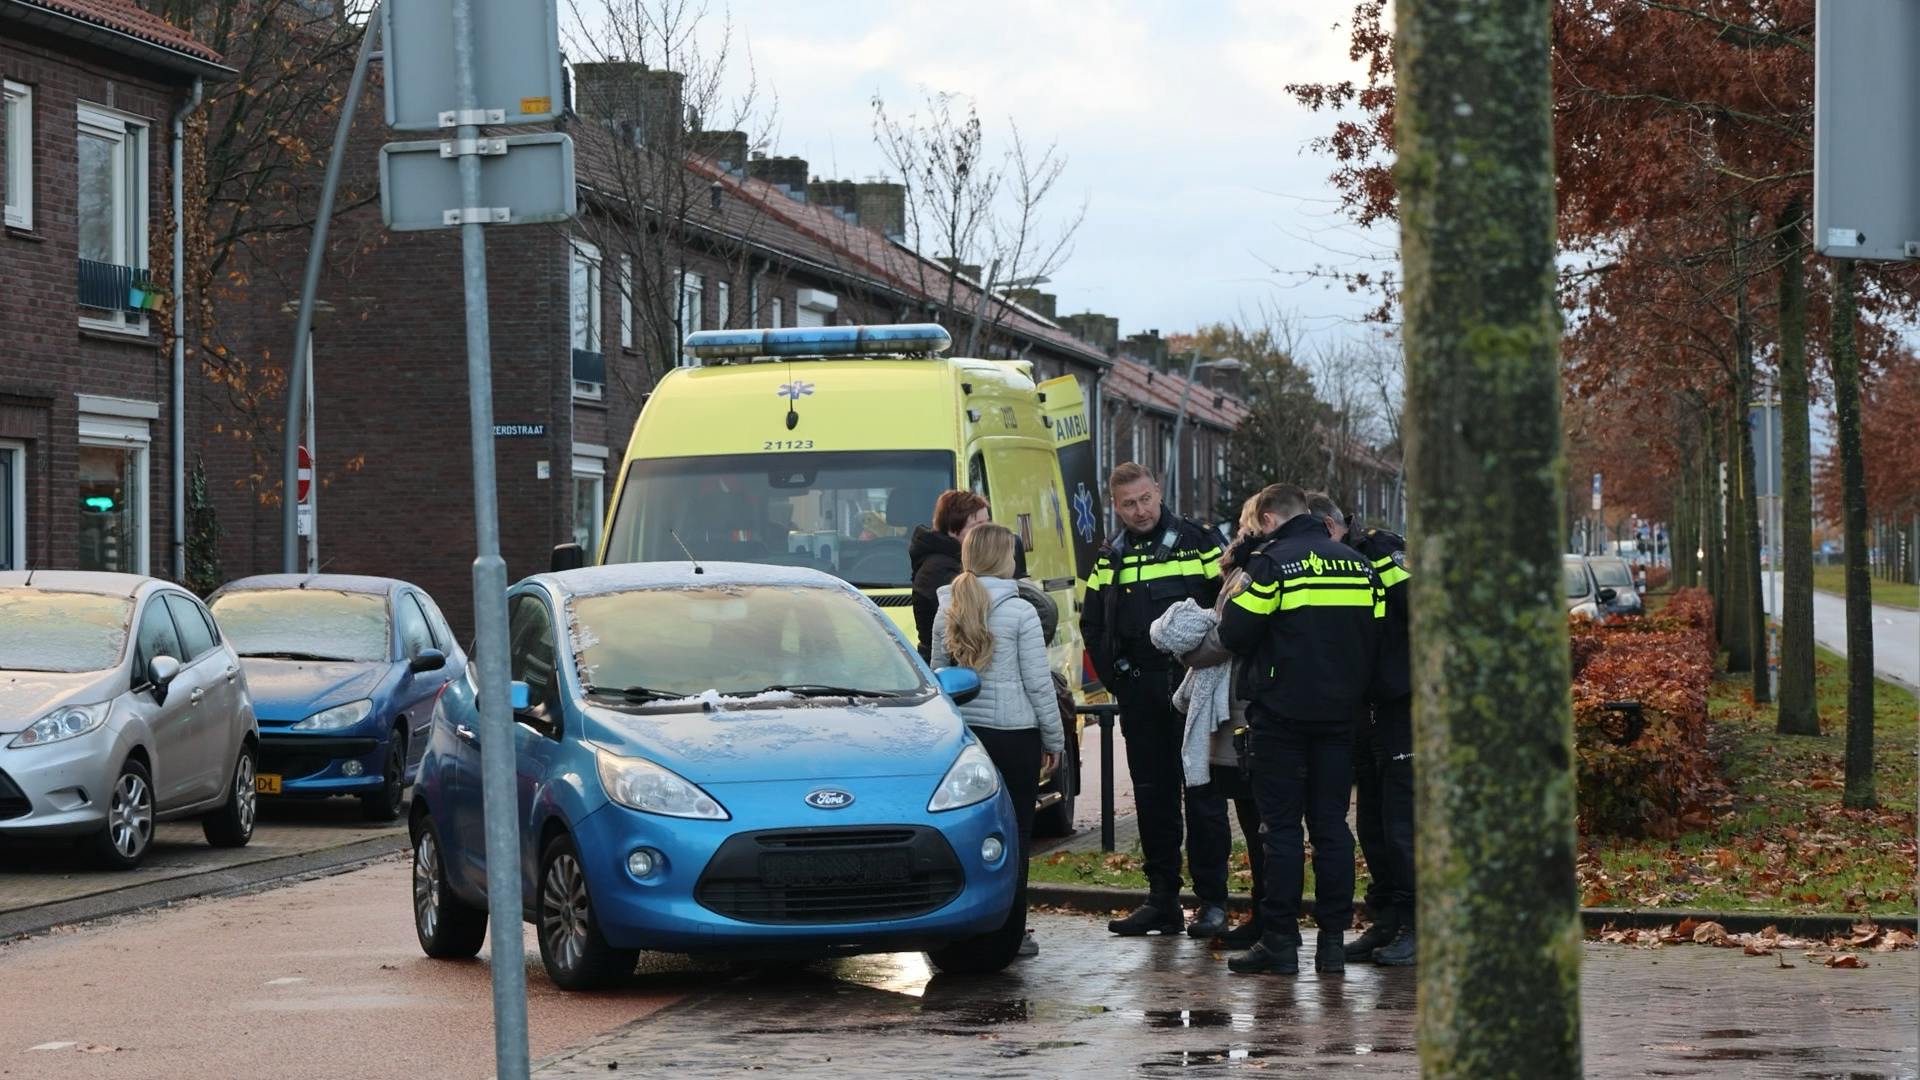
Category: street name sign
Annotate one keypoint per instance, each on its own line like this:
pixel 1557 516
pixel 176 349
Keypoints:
pixel 516 63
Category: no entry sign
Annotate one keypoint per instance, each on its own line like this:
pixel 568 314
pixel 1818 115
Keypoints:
pixel 306 475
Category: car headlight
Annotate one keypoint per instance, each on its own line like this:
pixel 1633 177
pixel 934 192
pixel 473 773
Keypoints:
pixel 641 785
pixel 973 778
pixel 65 722
pixel 340 716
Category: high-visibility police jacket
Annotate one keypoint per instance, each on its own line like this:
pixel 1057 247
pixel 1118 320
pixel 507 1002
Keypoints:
pixel 1393 675
pixel 1308 626
pixel 1135 580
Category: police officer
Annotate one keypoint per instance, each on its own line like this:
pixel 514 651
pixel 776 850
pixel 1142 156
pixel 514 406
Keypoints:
pixel 1155 561
pixel 1383 753
pixel 1308 629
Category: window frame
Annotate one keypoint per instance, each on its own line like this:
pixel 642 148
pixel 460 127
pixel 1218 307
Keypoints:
pixel 16 157
pixel 590 463
pixel 15 550
pixel 131 185
pixel 722 304
pixel 399 639
pixel 692 309
pixel 626 302
pixel 174 601
pixel 585 317
pixel 778 313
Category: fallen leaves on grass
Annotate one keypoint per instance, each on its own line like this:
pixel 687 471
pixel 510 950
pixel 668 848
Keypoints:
pixel 1839 951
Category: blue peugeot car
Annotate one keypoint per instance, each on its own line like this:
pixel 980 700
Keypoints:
pixel 344 671
pixel 730 758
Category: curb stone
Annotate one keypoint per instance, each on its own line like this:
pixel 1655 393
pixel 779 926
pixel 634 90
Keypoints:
pixel 1099 899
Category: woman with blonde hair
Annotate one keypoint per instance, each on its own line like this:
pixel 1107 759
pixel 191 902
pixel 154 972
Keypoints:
pixel 983 623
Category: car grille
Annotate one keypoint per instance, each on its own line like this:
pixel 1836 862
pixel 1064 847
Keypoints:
pixel 13 801
pixel 811 876
pixel 296 756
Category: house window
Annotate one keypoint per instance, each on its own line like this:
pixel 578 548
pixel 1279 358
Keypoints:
pixel 589 496
pixel 626 301
pixel 722 304
pixel 779 314
pixel 691 288
pixel 13 505
pixel 111 193
pixel 113 485
pixel 589 362
pixel 16 172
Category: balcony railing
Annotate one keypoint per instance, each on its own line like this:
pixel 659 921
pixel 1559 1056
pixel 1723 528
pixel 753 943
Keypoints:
pixel 110 287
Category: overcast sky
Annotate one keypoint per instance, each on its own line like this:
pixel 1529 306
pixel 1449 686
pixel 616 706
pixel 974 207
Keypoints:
pixel 1191 156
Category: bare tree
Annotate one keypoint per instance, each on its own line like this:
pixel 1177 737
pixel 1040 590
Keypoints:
pixel 1344 379
pixel 1281 438
pixel 969 207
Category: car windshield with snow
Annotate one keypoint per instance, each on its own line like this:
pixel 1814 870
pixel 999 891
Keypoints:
pixel 729 758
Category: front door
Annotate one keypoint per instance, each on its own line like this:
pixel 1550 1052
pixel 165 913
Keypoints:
pixel 13 505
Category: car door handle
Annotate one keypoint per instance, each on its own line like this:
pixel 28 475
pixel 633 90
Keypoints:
pixel 194 698
pixel 231 672
pixel 466 733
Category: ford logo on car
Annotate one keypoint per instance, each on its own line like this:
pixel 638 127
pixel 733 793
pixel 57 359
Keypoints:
pixel 829 799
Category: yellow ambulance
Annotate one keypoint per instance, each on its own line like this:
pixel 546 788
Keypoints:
pixel 824 447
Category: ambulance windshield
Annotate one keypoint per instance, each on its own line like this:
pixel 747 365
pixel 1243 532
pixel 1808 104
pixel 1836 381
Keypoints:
pixel 846 513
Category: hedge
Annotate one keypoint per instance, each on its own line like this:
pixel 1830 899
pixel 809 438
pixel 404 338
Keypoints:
pixel 1648 772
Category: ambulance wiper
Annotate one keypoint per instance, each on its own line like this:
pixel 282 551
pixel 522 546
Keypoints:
pixel 635 694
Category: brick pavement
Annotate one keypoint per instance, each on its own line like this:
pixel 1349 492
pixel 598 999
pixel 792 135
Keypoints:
pixel 1091 1005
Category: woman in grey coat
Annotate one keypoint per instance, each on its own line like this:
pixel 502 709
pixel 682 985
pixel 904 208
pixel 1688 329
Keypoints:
pixel 983 623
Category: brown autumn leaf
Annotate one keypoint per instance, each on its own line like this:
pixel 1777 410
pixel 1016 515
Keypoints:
pixel 1686 927
pixel 1847 961
pixel 1725 859
pixel 1899 939
pixel 1823 784
pixel 1755 948
pixel 1710 933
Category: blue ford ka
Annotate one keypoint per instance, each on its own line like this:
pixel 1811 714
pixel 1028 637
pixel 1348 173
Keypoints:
pixel 344 672
pixel 734 758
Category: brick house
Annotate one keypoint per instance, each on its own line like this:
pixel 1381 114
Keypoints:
pixel 91 90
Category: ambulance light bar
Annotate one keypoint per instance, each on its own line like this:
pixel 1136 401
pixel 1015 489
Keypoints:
pixel 892 340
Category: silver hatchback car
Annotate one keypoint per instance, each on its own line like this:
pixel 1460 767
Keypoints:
pixel 120 706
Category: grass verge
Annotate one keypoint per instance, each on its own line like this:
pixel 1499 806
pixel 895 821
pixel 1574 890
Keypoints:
pixel 1833 579
pixel 1782 841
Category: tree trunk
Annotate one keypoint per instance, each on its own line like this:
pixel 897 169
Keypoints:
pixel 1737 634
pixel 1499 951
pixel 1799 713
pixel 1853 481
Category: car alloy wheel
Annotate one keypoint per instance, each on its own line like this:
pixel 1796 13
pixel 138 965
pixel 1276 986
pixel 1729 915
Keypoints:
pixel 130 815
pixel 246 796
pixel 396 776
pixel 426 885
pixel 564 915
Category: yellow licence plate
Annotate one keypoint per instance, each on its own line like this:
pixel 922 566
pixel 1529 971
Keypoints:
pixel 267 783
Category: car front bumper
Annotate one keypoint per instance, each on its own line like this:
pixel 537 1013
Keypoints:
pixel 710 893
pixel 62 788
pixel 312 766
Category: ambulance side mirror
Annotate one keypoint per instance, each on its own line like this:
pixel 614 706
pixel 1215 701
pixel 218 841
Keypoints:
pixel 568 557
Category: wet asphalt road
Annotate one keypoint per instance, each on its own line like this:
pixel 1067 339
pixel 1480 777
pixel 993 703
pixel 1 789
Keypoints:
pixel 1095 1006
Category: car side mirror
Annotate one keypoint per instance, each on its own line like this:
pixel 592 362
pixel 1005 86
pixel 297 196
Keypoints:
pixel 959 683
pixel 1608 596
pixel 162 670
pixel 522 697
pixel 567 557
pixel 427 660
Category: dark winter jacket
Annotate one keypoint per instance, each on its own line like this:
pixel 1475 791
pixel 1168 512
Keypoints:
pixel 935 558
pixel 1393 677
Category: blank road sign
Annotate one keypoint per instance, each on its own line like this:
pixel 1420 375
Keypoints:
pixel 516 54
pixel 532 182
pixel 1866 129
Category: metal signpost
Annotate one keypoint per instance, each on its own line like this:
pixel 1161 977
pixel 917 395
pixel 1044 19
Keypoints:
pixel 1866 129
pixel 1763 424
pixel 452 70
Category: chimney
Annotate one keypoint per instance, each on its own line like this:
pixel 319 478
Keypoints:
pixel 882 207
pixel 837 195
pixel 618 92
pixel 1148 348
pixel 1034 300
pixel 1100 331
pixel 789 174
pixel 728 149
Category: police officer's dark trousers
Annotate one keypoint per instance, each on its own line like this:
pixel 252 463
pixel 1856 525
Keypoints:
pixel 1383 812
pixel 1304 771
pixel 1153 732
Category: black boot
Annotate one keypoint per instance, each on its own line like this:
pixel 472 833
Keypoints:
pixel 1330 952
pixel 1209 922
pixel 1273 954
pixel 1402 951
pixel 1386 927
pixel 1244 936
pixel 1161 913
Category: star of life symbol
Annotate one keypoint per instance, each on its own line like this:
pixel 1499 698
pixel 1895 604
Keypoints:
pixel 794 391
pixel 1083 512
